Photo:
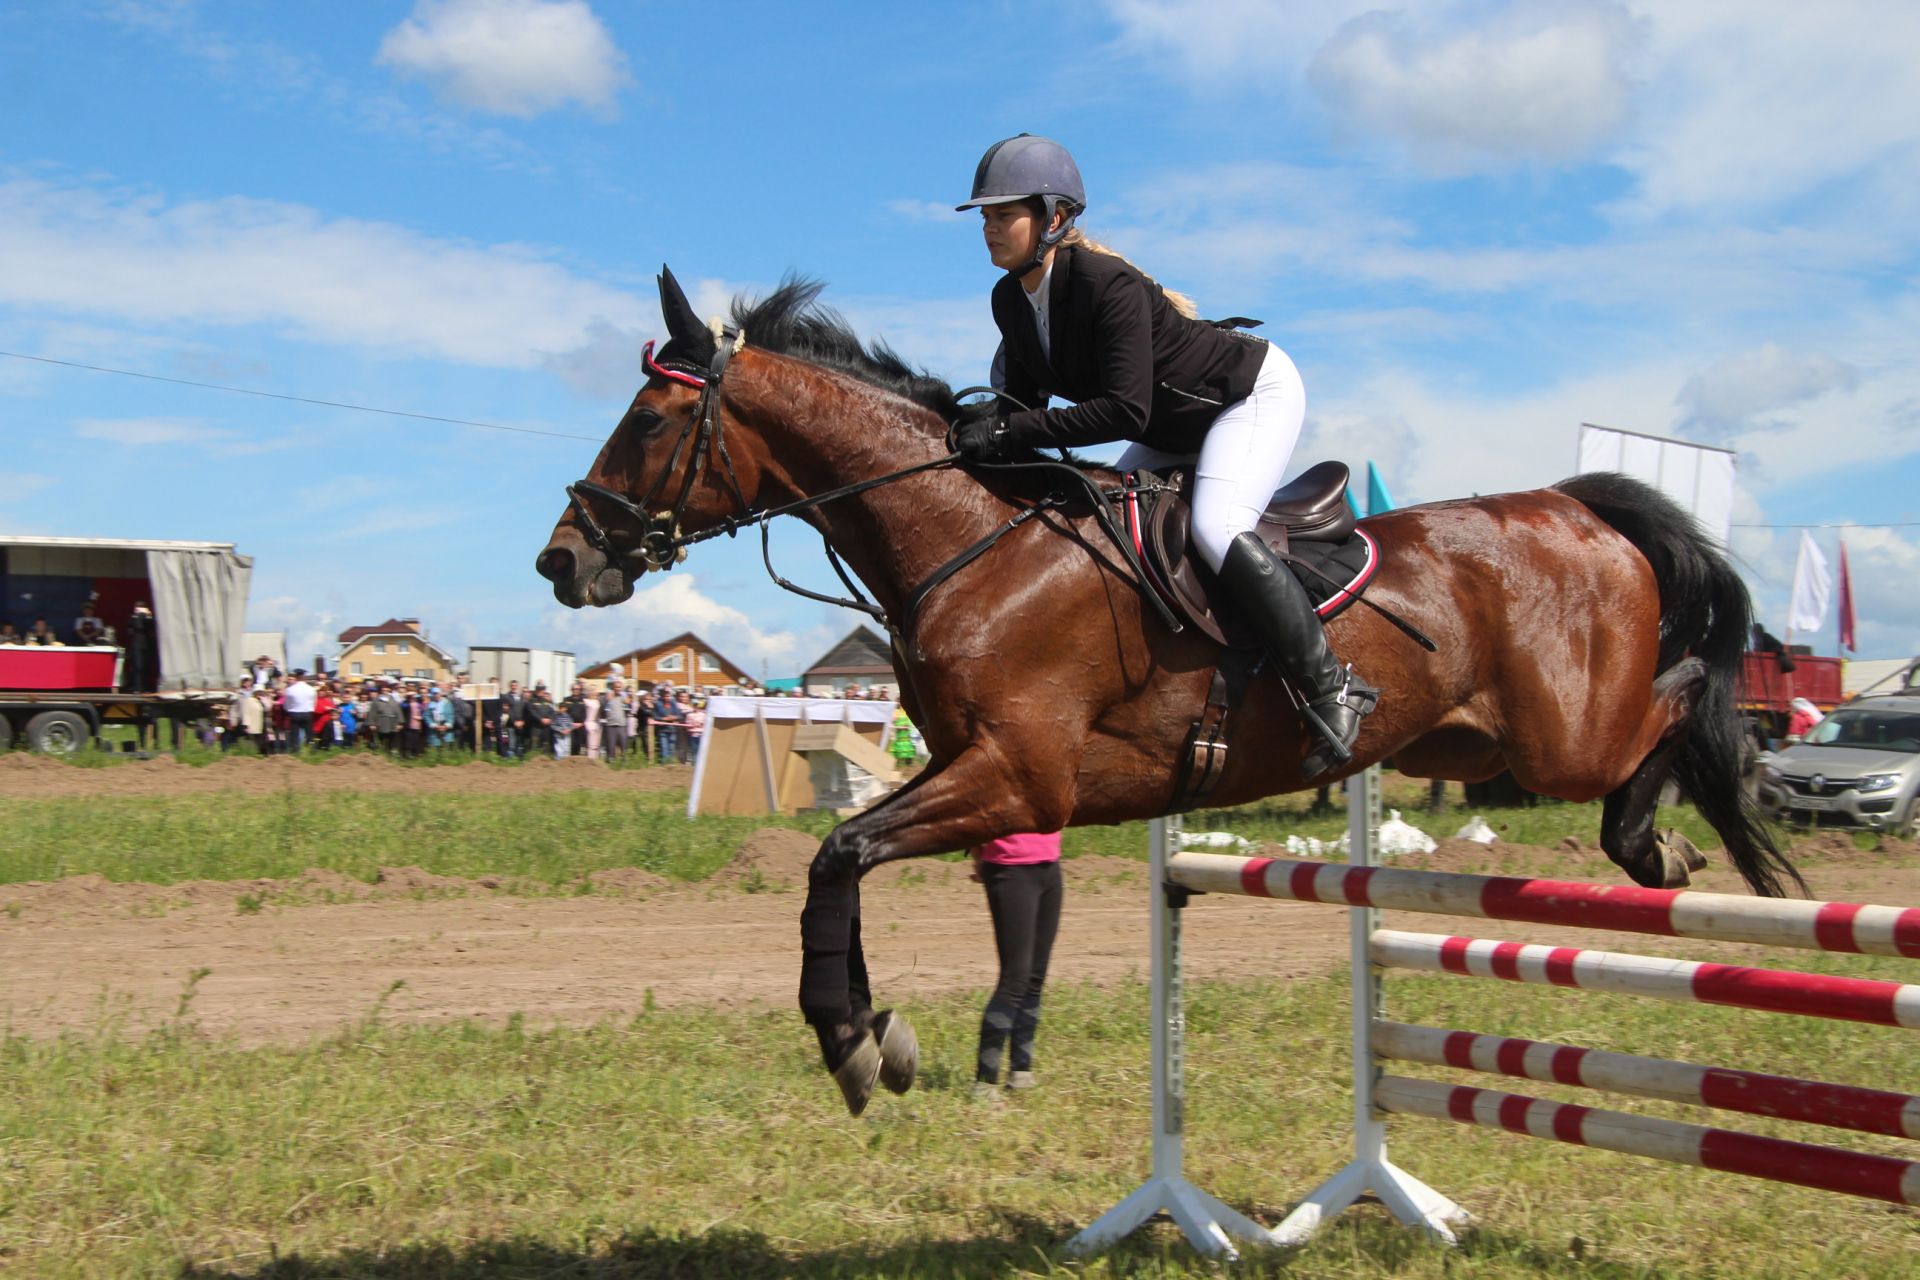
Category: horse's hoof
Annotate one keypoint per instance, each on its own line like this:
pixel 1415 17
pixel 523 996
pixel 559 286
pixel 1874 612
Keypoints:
pixel 1688 851
pixel 899 1050
pixel 856 1074
pixel 1674 873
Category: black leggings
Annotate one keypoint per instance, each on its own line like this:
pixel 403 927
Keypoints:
pixel 1025 901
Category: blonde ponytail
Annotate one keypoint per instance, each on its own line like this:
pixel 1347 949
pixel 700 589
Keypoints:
pixel 1181 302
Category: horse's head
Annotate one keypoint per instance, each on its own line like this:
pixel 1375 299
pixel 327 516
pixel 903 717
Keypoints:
pixel 664 472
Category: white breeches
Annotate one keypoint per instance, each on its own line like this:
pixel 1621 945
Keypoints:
pixel 1243 459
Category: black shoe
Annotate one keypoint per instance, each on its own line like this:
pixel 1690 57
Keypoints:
pixel 1331 700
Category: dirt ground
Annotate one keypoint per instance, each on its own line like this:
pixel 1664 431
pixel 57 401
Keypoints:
pixel 24 774
pixel 326 950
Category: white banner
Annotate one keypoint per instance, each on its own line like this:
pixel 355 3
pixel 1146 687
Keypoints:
pixel 1699 477
pixel 1812 588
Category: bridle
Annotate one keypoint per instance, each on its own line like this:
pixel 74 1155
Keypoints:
pixel 661 544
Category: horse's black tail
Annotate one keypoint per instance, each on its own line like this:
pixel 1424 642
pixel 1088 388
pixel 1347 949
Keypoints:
pixel 1705 612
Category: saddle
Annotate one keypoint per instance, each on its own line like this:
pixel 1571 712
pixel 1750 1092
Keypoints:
pixel 1308 524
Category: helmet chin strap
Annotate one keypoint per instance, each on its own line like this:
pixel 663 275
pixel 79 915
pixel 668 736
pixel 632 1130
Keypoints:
pixel 1048 238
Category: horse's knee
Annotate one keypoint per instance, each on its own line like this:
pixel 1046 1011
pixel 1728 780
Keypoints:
pixel 837 862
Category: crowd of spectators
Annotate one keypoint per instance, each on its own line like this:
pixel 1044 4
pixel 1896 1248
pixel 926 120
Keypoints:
pixel 281 714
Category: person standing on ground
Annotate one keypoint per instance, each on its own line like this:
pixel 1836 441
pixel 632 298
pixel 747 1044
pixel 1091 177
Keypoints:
pixel 387 715
pixel 297 700
pixel 613 722
pixel 540 712
pixel 1021 874
pixel 143 651
pixel 251 715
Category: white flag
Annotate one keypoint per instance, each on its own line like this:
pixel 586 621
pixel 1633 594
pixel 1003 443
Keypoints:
pixel 1812 588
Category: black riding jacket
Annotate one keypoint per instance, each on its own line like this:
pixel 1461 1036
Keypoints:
pixel 1135 368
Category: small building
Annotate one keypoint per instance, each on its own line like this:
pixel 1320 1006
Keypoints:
pixel 686 661
pixel 862 658
pixel 397 648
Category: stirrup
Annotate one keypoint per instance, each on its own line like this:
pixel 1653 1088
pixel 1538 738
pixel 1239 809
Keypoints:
pixel 1353 698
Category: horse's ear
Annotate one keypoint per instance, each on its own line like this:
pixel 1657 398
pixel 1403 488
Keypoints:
pixel 684 326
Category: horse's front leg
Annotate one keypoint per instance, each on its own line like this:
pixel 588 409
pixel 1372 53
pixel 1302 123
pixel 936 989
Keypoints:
pixel 972 799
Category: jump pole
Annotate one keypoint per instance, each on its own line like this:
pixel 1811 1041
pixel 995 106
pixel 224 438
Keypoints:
pixel 1209 1225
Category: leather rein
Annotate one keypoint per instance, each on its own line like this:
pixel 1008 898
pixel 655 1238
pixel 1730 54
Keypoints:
pixel 662 544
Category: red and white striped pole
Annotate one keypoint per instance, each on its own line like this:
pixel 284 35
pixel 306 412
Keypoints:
pixel 1814 995
pixel 1722 917
pixel 1776 1159
pixel 1838 1106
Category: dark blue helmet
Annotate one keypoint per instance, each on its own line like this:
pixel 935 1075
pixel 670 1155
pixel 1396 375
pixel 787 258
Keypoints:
pixel 1023 167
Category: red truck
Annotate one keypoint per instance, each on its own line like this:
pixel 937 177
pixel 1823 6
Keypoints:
pixel 1771 681
pixel 56 698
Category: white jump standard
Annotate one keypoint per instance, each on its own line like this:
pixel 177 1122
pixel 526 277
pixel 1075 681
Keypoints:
pixel 1365 889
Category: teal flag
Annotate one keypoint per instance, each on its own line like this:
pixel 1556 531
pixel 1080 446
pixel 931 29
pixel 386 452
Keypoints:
pixel 1378 499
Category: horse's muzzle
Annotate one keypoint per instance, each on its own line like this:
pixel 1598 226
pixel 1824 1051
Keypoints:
pixel 582 577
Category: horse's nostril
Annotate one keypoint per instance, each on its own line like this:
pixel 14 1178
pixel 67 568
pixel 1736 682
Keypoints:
pixel 554 564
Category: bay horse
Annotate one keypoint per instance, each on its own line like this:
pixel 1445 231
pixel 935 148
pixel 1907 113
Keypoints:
pixel 1588 636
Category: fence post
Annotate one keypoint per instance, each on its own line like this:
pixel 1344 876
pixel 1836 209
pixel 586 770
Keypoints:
pixel 1209 1225
pixel 1409 1199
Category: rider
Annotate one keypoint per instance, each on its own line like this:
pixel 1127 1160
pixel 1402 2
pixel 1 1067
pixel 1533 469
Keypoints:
pixel 1079 321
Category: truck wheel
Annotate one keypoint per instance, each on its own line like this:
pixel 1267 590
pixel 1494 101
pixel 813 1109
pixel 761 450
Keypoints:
pixel 58 733
pixel 6 733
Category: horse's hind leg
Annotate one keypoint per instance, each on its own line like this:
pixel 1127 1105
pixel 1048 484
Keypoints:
pixel 964 803
pixel 1626 818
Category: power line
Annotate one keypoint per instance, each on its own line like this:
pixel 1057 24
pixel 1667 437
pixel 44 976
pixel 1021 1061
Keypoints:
pixel 275 395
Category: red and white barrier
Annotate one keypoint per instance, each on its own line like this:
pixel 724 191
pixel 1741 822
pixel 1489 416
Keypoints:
pixel 1722 917
pixel 1893 1004
pixel 1838 1106
pixel 1367 889
pixel 1802 1163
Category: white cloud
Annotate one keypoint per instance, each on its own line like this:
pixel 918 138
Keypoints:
pixel 349 282
pixel 16 485
pixel 663 606
pixel 1733 391
pixel 606 364
pixel 1540 81
pixel 509 57
pixel 928 211
pixel 1755 102
pixel 310 631
pixel 152 431
pixel 1214 44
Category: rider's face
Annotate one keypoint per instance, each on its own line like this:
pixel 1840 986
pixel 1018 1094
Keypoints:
pixel 1011 230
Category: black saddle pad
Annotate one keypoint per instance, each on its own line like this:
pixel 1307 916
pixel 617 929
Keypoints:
pixel 1334 573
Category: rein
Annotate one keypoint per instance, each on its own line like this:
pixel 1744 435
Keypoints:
pixel 662 545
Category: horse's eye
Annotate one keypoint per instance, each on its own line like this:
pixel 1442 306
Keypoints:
pixel 645 420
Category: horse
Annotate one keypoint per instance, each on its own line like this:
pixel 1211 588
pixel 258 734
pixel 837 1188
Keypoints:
pixel 1587 636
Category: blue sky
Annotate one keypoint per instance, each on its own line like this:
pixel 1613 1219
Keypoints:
pixel 1473 225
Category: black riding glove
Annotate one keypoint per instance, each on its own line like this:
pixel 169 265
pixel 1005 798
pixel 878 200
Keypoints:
pixel 979 431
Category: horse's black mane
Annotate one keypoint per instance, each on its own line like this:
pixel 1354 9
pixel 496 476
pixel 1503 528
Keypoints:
pixel 791 322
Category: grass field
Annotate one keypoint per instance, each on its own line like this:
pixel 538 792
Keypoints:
pixel 690 1144
pixel 539 838
pixel 695 1144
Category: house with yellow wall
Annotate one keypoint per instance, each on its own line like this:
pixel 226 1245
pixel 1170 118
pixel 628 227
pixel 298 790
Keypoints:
pixel 397 648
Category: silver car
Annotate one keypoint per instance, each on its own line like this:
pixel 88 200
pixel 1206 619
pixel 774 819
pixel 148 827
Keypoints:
pixel 1860 765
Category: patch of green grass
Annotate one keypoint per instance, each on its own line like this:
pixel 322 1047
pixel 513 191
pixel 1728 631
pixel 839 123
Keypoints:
pixel 694 1143
pixel 552 839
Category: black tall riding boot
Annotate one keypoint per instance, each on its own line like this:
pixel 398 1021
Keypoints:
pixel 1332 700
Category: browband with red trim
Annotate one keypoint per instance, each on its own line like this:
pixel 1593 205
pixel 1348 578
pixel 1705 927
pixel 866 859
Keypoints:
pixel 675 374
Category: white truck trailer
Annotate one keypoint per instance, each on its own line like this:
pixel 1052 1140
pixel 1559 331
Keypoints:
pixel 493 664
pixel 56 698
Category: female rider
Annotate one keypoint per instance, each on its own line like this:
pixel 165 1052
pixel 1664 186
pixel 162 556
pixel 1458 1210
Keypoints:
pixel 1078 321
